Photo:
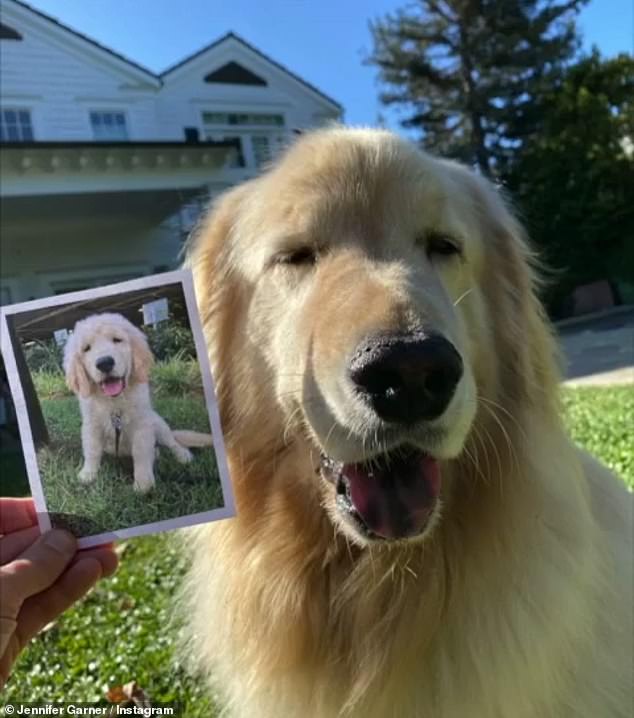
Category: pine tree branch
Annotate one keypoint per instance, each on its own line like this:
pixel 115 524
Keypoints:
pixel 442 12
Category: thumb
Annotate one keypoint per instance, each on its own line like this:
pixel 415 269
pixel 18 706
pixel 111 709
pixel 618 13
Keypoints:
pixel 35 569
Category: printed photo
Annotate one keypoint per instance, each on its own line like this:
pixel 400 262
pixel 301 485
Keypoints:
pixel 116 409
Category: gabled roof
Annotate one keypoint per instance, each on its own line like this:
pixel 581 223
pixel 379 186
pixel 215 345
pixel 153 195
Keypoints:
pixel 266 58
pixel 158 79
pixel 149 75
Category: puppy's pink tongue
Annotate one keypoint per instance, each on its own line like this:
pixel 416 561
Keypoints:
pixel 395 496
pixel 112 387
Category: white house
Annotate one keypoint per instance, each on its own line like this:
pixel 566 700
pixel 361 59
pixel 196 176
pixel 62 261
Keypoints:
pixel 104 165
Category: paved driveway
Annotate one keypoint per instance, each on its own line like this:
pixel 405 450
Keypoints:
pixel 600 351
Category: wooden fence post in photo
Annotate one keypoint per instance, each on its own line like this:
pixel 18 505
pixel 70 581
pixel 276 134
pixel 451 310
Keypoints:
pixel 36 418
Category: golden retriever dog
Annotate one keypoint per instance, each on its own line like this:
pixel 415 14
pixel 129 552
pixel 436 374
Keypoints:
pixel 107 362
pixel 416 536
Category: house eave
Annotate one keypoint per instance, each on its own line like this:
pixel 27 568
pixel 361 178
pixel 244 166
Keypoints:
pixel 131 145
pixel 31 168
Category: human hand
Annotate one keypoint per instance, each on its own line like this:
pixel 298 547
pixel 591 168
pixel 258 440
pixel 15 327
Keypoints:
pixel 40 576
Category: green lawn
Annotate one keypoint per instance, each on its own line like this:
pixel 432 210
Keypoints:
pixel 601 419
pixel 123 630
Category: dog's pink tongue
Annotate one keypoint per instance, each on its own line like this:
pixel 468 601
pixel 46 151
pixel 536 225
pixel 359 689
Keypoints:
pixel 112 387
pixel 395 497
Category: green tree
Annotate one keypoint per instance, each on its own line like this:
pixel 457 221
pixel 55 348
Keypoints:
pixel 466 71
pixel 573 178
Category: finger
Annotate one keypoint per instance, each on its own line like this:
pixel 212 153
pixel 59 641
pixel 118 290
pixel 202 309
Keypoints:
pixel 43 608
pixel 10 651
pixel 7 634
pixel 16 514
pixel 106 556
pixel 13 544
pixel 35 569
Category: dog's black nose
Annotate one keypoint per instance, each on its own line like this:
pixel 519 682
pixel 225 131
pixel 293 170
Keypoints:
pixel 105 364
pixel 406 377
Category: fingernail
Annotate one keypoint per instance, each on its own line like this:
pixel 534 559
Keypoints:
pixel 61 541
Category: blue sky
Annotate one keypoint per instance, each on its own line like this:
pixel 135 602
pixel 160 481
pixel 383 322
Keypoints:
pixel 323 41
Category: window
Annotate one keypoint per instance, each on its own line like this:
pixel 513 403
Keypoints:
pixel 260 135
pixel 261 149
pixel 234 74
pixel 9 33
pixel 236 158
pixel 15 125
pixel 252 119
pixel 109 126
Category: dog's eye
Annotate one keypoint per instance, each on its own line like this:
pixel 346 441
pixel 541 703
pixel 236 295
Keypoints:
pixel 116 340
pixel 303 255
pixel 87 347
pixel 442 245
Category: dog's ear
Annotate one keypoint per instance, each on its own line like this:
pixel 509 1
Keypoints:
pixel 209 250
pixel 142 358
pixel 221 292
pixel 528 354
pixel 77 378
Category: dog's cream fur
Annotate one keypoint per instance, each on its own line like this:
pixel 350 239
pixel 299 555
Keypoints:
pixel 516 603
pixel 142 429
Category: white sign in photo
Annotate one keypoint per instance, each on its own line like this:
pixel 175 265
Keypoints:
pixel 155 312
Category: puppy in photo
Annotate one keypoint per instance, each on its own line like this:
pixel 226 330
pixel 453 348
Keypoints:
pixel 107 361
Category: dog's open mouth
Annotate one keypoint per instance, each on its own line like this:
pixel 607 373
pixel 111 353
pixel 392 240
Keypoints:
pixel 113 385
pixel 392 496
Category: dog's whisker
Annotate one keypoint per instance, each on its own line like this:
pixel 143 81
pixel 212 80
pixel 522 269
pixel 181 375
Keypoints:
pixel 288 424
pixel 332 428
pixel 499 407
pixel 408 568
pixel 475 464
pixel 494 447
pixel 507 438
pixel 462 296
pixel 483 449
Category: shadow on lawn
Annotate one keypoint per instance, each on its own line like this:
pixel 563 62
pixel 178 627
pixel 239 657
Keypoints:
pixel 78 525
pixel 109 503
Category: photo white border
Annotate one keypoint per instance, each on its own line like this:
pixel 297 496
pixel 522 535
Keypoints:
pixel 185 279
